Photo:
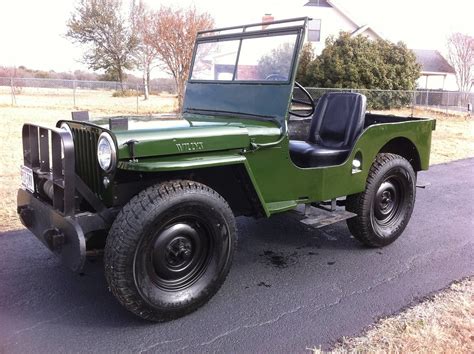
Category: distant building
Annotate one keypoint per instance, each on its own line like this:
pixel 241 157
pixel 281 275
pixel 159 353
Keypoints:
pixel 436 73
pixel 329 18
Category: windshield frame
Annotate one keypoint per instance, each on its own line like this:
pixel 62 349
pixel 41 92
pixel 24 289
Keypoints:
pixel 240 36
pixel 249 99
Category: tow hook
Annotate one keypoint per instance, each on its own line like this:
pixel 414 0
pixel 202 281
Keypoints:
pixel 54 238
pixel 26 215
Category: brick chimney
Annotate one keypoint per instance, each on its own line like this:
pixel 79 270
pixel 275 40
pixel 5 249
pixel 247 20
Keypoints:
pixel 267 18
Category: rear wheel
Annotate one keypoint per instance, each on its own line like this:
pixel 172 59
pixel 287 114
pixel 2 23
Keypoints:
pixel 385 207
pixel 170 249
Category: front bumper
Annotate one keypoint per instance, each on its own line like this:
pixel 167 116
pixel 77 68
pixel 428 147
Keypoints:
pixel 65 236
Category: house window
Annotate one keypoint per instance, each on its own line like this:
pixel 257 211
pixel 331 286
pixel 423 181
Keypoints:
pixel 314 30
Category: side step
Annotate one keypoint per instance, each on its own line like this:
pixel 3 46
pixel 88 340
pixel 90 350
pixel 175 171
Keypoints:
pixel 318 217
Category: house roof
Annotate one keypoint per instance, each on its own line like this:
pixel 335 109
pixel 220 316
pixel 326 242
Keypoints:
pixel 320 3
pixel 360 28
pixel 432 61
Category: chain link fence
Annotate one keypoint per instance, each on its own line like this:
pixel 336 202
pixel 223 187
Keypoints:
pixel 104 96
pixel 447 102
pixel 112 97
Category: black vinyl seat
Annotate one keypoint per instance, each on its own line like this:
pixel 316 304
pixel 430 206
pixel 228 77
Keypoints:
pixel 337 122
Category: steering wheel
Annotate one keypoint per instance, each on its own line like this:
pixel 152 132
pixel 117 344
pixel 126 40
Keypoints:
pixel 310 103
pixel 276 77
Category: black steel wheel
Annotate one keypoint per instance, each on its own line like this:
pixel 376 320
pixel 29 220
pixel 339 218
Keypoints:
pixel 177 255
pixel 170 250
pixel 385 207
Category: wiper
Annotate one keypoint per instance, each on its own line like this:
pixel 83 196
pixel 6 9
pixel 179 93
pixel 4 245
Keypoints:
pixel 283 129
pixel 255 146
pixel 228 113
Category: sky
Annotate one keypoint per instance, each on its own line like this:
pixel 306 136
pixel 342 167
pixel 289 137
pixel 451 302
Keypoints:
pixel 32 31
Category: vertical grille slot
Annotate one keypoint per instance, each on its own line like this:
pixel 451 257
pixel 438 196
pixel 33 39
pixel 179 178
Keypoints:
pixel 87 167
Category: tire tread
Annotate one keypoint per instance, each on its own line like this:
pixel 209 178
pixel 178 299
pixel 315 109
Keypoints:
pixel 358 203
pixel 123 240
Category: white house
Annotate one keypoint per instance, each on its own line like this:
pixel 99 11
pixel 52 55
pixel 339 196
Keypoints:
pixel 436 73
pixel 329 18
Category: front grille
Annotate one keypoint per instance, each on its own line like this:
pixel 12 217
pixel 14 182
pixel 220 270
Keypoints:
pixel 85 148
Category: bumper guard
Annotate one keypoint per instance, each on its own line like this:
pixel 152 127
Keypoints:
pixel 57 224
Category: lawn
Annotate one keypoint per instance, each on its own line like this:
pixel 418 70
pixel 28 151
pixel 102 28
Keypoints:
pixel 442 324
pixel 97 101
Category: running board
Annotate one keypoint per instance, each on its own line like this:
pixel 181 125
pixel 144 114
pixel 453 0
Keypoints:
pixel 320 217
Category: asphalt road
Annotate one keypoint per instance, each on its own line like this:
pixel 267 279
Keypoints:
pixel 290 288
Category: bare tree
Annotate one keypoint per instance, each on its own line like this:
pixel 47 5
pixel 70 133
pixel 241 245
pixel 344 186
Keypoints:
pixel 173 35
pixel 103 27
pixel 145 53
pixel 461 57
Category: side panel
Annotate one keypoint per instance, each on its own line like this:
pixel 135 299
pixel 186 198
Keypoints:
pixel 283 185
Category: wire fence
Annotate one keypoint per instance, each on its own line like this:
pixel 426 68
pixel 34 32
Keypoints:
pixel 110 96
pixel 447 102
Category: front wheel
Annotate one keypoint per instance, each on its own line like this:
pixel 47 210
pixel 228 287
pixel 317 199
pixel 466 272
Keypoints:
pixel 385 207
pixel 170 249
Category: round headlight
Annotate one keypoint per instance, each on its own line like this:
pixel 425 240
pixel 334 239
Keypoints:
pixel 106 154
pixel 65 126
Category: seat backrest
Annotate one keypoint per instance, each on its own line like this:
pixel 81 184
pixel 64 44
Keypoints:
pixel 338 119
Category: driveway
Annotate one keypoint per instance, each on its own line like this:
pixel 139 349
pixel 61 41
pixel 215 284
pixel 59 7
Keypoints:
pixel 290 287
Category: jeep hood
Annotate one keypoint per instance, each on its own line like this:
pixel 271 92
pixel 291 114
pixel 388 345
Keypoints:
pixel 171 137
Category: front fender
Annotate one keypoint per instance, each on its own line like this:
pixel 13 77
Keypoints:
pixel 194 161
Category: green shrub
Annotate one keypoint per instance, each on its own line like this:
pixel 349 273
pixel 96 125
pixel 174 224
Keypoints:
pixel 360 63
pixel 124 93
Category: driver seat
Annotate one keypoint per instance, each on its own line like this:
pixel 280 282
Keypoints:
pixel 336 123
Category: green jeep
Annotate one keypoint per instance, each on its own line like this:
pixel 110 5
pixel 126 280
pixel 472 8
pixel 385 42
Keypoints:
pixel 160 198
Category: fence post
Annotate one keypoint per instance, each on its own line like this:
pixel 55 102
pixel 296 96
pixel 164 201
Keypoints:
pixel 413 103
pixel 447 102
pixel 74 93
pixel 12 92
pixel 137 97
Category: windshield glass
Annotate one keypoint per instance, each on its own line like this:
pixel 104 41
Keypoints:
pixel 266 58
pixel 215 60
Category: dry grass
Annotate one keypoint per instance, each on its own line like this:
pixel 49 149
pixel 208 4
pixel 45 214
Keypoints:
pixel 443 324
pixel 98 101
pixel 11 120
pixel 453 138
